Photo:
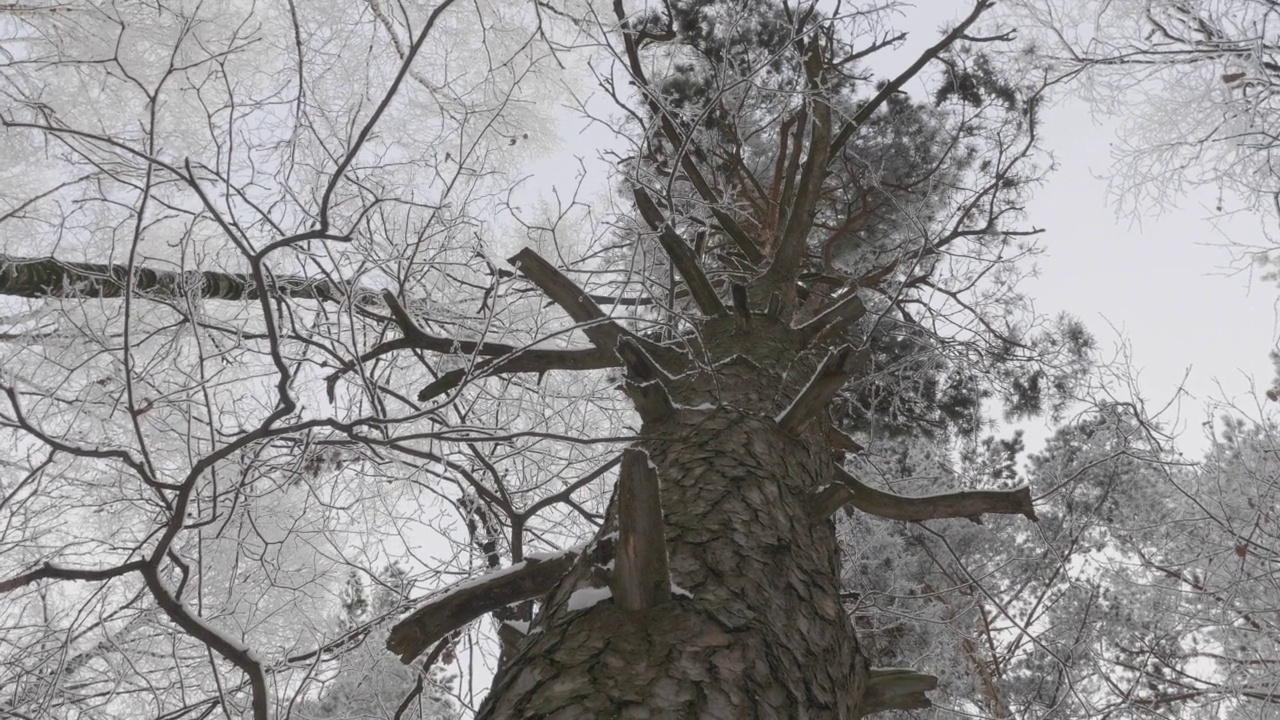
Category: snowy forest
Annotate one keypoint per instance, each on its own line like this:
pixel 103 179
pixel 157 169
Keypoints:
pixel 632 359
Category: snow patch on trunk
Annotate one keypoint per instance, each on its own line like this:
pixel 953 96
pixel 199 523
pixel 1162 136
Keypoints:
pixel 583 598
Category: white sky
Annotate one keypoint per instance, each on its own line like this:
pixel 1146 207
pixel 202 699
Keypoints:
pixel 1165 285
pixel 1163 290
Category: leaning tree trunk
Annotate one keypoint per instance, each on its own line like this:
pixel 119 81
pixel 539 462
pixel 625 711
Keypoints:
pixel 753 626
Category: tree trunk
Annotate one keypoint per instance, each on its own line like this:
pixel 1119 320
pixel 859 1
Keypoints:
pixel 754 626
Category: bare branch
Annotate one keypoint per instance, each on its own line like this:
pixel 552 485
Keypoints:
pixel 459 605
pixel 842 444
pixel 49 571
pixel 682 257
pixel 897 689
pixel 602 331
pixel 741 304
pixel 791 246
pixel 839 365
pixel 537 361
pixel 646 386
pixel 651 400
pixel 866 111
pixel 357 145
pixel 197 627
pixel 843 313
pixel 970 504
pixel 680 138
pixel 639 363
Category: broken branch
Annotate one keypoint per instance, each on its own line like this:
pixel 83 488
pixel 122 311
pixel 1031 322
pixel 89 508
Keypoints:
pixel 740 303
pixel 602 331
pixel 971 504
pixel 651 400
pixel 459 605
pixel 897 689
pixel 826 380
pixel 640 579
pixel 843 313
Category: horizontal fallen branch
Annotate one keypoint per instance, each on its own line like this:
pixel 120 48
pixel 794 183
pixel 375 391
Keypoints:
pixel 456 606
pixel 49 277
pixel 970 504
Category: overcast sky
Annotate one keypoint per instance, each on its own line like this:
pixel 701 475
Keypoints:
pixel 1162 289
pixel 1165 284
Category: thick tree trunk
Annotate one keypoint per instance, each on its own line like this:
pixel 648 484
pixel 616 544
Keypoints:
pixel 754 626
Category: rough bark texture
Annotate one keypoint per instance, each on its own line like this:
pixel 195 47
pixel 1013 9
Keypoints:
pixel 754 627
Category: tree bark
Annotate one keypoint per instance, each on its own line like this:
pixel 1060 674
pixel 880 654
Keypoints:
pixel 753 627
pixel 49 277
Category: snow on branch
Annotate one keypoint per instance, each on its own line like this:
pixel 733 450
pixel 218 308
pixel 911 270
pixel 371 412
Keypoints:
pixel 640 578
pixel 830 375
pixel 971 504
pixel 458 605
pixel 234 651
pixel 646 387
